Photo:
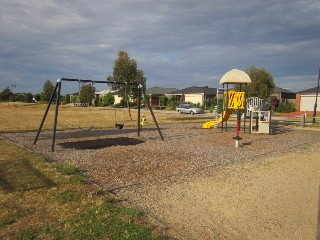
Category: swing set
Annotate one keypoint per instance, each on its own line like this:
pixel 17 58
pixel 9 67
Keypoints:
pixel 57 89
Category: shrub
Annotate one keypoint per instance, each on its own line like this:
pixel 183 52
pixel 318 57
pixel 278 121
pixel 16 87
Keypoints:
pixel 274 102
pixel 172 103
pixel 212 104
pixel 108 99
pixel 163 100
pixel 285 107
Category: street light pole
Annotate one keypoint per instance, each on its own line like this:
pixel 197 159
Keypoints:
pixel 315 104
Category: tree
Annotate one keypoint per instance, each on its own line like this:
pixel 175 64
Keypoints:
pixel 67 97
pixel 5 94
pixel 75 98
pixel 125 70
pixel 23 97
pixel 261 84
pixel 37 97
pixel 87 94
pixel 47 91
pixel 108 99
pixel 29 97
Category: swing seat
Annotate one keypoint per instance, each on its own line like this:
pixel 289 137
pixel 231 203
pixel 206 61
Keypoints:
pixel 119 125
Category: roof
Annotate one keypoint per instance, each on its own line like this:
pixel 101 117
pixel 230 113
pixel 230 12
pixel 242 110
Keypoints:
pixel 281 90
pixel 235 76
pixel 309 91
pixel 102 92
pixel 159 90
pixel 192 90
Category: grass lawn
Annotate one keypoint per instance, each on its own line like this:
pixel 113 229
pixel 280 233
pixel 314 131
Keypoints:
pixel 22 117
pixel 42 200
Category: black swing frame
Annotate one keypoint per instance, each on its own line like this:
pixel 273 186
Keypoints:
pixel 57 89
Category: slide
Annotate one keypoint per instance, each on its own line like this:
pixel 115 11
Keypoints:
pixel 224 117
pixel 208 124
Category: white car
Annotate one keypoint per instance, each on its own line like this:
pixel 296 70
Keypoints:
pixel 188 108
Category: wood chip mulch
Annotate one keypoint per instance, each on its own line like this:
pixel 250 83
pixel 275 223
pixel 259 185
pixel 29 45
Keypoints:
pixel 115 158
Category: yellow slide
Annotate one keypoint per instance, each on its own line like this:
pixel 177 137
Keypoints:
pixel 224 117
pixel 208 124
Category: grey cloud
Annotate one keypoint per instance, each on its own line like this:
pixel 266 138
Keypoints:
pixel 176 43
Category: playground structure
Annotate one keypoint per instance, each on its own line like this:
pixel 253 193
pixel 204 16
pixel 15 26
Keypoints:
pixel 231 100
pixel 248 108
pixel 57 89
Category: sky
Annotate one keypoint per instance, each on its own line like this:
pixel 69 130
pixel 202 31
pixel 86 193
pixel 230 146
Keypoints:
pixel 177 43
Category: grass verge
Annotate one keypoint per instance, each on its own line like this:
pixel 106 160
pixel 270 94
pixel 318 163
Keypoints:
pixel 41 200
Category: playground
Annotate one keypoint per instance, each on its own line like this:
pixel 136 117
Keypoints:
pixel 195 179
pixel 193 165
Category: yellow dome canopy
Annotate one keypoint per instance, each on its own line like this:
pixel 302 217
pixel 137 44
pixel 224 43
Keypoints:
pixel 235 76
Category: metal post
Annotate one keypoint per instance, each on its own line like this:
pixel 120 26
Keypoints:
pixel 223 105
pixel 237 137
pixel 153 117
pixel 245 108
pixel 315 104
pixel 270 128
pixel 46 113
pixel 303 120
pixel 139 106
pixel 250 129
pixel 244 119
pixel 56 115
pixel 227 104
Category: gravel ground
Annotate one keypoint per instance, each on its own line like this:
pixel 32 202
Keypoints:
pixel 118 158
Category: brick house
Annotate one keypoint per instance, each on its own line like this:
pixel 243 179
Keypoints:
pixel 306 99
pixel 284 95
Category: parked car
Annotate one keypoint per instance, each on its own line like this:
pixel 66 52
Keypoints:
pixel 188 108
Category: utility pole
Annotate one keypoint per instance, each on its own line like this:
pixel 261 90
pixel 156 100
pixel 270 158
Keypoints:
pixel 315 104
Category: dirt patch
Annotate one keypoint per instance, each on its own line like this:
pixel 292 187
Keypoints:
pixel 269 198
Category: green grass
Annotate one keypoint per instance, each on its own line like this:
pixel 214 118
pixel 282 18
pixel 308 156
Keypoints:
pixel 42 200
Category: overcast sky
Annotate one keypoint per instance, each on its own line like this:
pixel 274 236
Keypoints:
pixel 177 43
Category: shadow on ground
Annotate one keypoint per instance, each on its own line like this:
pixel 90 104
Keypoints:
pixel 20 175
pixel 101 143
pixel 97 132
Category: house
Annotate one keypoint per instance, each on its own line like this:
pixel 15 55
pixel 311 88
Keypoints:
pixel 284 95
pixel 102 93
pixel 305 100
pixel 194 94
pixel 155 93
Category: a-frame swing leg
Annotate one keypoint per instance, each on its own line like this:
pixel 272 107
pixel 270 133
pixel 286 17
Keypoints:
pixel 46 113
pixel 153 117
pixel 56 116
